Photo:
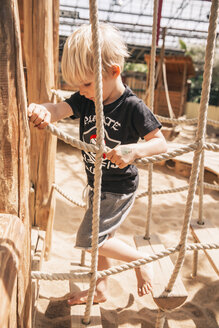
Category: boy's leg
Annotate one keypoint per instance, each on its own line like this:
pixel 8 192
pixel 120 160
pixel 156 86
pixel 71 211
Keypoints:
pixel 118 250
pixel 101 286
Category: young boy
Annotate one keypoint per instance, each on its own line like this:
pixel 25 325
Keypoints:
pixel 126 119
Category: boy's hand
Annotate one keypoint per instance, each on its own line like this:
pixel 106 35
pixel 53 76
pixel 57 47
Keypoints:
pixel 39 115
pixel 121 155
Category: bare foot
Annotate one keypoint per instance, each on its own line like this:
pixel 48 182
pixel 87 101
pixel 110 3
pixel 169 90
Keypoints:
pixel 144 275
pixel 99 295
pixel 81 298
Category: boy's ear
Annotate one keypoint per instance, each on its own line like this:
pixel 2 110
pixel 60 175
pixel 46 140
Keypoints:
pixel 116 70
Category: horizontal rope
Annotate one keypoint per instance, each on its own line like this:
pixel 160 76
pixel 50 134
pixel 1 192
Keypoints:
pixel 177 189
pixel 188 121
pixel 65 195
pixel 211 186
pixel 168 155
pixel 211 146
pixel 164 191
pixel 58 94
pixel 71 140
pixel 151 159
pixel 123 267
pixel 142 194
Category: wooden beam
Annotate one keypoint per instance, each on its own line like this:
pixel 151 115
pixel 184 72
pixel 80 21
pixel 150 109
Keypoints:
pixel 183 90
pixel 41 46
pixel 12 236
pixel 14 146
pixel 37 255
pixel 163 269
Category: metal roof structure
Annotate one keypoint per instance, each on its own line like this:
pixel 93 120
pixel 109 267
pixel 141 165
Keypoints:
pixel 185 20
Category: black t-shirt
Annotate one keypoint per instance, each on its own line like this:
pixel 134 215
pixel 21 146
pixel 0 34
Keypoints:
pixel 125 121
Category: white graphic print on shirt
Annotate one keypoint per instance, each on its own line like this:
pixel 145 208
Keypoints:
pixel 89 136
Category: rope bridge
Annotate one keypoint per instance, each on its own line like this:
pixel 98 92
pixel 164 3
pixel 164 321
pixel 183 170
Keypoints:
pixel 197 168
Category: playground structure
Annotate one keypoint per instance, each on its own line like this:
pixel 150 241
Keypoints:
pixel 21 190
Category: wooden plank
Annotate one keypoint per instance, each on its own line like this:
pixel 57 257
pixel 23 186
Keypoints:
pixel 37 247
pixel 77 311
pixel 207 233
pixel 34 239
pixel 211 163
pixel 163 269
pixel 12 235
pixel 39 251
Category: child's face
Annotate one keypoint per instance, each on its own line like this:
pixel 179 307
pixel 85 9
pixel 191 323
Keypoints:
pixel 87 90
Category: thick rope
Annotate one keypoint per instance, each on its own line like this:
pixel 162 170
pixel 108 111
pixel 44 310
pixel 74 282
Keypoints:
pixel 124 267
pixel 202 119
pixel 152 159
pixel 160 320
pixel 71 140
pixel 68 197
pixel 98 159
pixel 201 188
pixel 211 146
pixel 142 194
pixel 151 105
pixel 190 121
pixel 164 191
pixel 57 94
pixel 211 186
pixel 195 263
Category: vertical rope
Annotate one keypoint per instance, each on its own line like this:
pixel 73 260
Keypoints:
pixel 151 105
pixel 195 263
pixel 202 120
pixel 201 188
pixel 160 321
pixel 98 161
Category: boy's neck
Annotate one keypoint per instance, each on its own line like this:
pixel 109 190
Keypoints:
pixel 117 92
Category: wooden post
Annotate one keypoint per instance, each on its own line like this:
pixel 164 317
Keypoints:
pixel 14 174
pixel 160 83
pixel 41 54
pixel 183 90
pixel 12 236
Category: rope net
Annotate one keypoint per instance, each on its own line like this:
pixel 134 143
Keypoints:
pixel 198 147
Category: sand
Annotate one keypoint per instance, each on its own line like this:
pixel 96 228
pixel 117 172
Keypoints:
pixel 124 308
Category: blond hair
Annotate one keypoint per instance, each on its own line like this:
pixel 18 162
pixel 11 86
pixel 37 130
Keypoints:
pixel 77 60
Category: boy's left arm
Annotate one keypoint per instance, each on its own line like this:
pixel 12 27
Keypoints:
pixel 124 155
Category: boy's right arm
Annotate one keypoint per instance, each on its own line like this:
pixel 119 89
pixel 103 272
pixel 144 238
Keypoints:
pixel 42 115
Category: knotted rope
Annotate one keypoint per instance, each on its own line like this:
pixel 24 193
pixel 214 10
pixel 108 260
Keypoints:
pixel 198 146
pixel 202 119
pixel 98 160
pixel 123 267
pixel 151 105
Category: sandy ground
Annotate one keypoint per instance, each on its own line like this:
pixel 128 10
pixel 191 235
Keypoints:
pixel 123 307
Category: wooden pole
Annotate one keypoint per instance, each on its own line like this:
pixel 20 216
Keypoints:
pixel 41 51
pixel 14 174
pixel 183 90
pixel 12 236
pixel 160 85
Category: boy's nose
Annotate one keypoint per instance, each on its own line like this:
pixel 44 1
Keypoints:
pixel 81 92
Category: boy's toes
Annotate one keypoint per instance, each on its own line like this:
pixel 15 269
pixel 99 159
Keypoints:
pixel 145 289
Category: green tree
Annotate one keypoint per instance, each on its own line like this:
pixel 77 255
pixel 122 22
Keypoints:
pixel 197 54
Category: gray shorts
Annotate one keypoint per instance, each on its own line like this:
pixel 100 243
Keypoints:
pixel 114 208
